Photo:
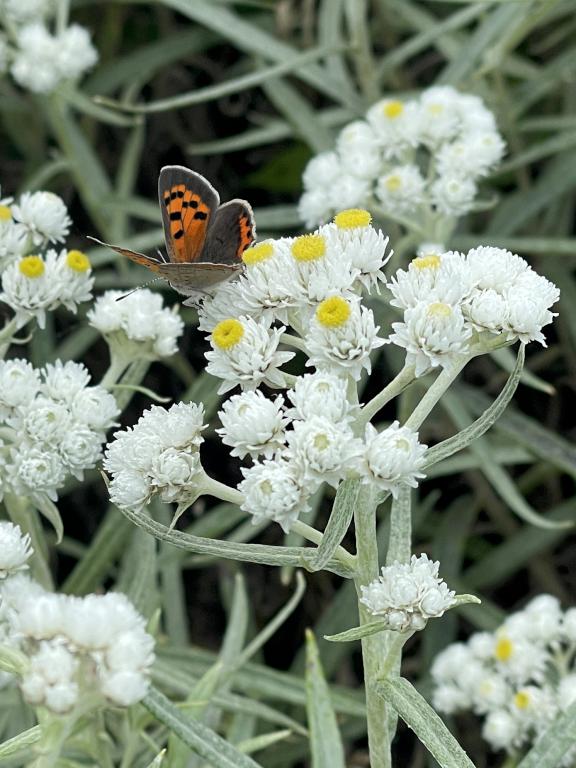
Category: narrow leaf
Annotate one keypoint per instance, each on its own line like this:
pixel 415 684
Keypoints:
pixel 423 720
pixel 22 741
pixel 357 633
pixel 325 740
pixel 553 743
pixel 202 740
pixel 338 524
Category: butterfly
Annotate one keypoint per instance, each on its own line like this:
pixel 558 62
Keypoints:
pixel 204 240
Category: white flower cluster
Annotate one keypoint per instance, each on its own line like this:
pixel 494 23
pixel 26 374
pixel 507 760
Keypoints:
pixel 34 278
pixel 76 647
pixel 454 303
pixel 15 549
pixel 159 455
pixel 406 595
pixel 38 59
pixel 53 425
pixel 137 324
pixel 410 159
pixel 518 678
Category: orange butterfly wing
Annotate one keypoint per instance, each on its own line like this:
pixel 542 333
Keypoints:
pixel 188 203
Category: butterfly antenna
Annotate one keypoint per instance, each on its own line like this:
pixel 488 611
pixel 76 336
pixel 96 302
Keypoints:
pixel 138 288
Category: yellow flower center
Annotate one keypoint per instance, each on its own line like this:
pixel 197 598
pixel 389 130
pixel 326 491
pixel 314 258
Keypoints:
pixel 266 487
pixel 402 444
pixel 321 442
pixel 308 247
pixel 393 109
pixel 352 218
pixel 5 213
pixel 227 333
pixel 426 262
pixel 504 648
pixel 522 700
pixel 258 253
pixel 435 109
pixel 439 309
pixel 31 266
pixel 393 183
pixel 333 312
pixel 78 261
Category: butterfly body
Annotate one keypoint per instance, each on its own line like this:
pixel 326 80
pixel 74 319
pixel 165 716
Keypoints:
pixel 204 240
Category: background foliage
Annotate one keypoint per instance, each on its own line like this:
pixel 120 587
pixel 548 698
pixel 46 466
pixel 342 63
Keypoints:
pixel 245 92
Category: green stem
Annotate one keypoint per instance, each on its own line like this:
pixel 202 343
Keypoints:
pixel 115 370
pixel 392 390
pixel 400 541
pixel 434 393
pixel 21 513
pixel 6 335
pixel 373 647
pixel 134 375
pixel 395 646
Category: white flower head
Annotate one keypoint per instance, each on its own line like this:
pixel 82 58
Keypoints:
pixel 392 458
pixel 35 65
pixel 62 381
pixel 76 54
pixel 473 155
pixel 323 451
pixel 341 337
pixel 315 207
pixel 396 125
pixel 245 352
pixel 273 490
pixel 432 276
pixel 14 238
pixel 433 335
pixel 528 305
pixel 28 288
pixel 15 549
pixel 253 424
pixel 137 324
pixel 320 267
pixel 363 245
pixel 401 190
pixel 73 273
pixel 439 115
pixel 453 195
pixel 350 192
pixel 19 383
pixel 159 455
pixel 408 594
pixel 35 471
pixel 320 394
pixel 45 216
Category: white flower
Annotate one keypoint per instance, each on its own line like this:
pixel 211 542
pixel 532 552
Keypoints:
pixel 487 310
pixel 36 471
pixel 320 394
pixel 80 449
pixel 439 114
pixel 29 289
pixel 322 451
pixel 235 294
pixel 315 207
pixel 13 241
pixel 364 245
pixel 408 594
pixel 95 408
pixel 76 54
pixel 473 155
pixel 19 383
pixel 124 688
pixel 501 729
pixel 341 336
pixel 253 425
pixel 45 216
pixel 266 289
pixel 159 455
pixel 401 190
pixel 35 65
pixel 443 277
pixel 320 268
pixel 528 303
pixel 396 125
pixel 453 195
pixel 272 490
pixel 73 272
pixel 139 318
pixel 357 135
pixel 392 458
pixel 61 381
pixel 15 549
pixel 42 421
pixel 517 658
pixel 494 267
pixel 246 352
pixel 322 171
pixel 349 192
pixel 433 335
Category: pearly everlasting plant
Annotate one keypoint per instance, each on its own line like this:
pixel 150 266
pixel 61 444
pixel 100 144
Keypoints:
pixel 416 161
pixel 37 51
pixel 35 277
pixel 517 679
